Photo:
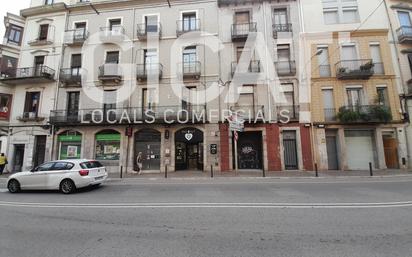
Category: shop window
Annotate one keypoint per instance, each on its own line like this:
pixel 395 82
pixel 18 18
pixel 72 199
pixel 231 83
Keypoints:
pixel 70 145
pixel 108 145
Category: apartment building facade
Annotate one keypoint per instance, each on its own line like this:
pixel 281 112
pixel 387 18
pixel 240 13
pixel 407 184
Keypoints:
pixel 399 13
pixel 9 57
pixel 356 111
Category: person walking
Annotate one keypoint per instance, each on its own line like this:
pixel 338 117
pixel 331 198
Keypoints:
pixel 3 162
pixel 139 161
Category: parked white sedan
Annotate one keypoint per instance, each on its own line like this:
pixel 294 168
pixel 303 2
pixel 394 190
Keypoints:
pixel 64 175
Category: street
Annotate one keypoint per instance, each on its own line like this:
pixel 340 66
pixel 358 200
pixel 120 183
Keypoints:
pixel 221 217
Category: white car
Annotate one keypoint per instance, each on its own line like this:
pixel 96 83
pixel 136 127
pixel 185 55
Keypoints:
pixel 64 175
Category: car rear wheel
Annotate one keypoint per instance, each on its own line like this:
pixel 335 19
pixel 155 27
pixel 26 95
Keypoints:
pixel 13 186
pixel 67 186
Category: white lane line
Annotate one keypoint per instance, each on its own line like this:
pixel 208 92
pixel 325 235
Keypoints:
pixel 212 205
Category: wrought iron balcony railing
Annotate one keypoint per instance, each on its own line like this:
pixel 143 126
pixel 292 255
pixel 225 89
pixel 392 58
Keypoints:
pixel 112 34
pixel 354 69
pixel 133 115
pixel 241 31
pixel 76 36
pixel 191 69
pixel 110 72
pixel 287 27
pixel 71 76
pixel 364 113
pixel 329 114
pixel 286 68
pixel 187 25
pixel 251 67
pixel 34 75
pixel 30 117
pixel 250 113
pixel 404 34
pixel 148 70
pixel 143 30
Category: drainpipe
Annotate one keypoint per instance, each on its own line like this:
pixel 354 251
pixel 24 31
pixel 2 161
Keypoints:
pixel 267 58
pixel 404 105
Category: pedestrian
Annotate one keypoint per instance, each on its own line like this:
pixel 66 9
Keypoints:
pixel 139 161
pixel 3 162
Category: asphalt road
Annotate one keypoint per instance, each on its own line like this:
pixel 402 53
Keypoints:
pixel 224 217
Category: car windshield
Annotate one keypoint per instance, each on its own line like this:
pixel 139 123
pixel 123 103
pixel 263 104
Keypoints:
pixel 91 165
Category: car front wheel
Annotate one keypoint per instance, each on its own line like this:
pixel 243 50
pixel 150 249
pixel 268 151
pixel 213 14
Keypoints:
pixel 67 186
pixel 13 186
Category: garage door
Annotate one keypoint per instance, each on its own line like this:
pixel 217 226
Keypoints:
pixel 359 149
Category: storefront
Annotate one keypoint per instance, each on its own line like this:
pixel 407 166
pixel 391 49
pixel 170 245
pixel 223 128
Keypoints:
pixel 70 146
pixel 148 144
pixel 249 150
pixel 189 149
pixel 108 146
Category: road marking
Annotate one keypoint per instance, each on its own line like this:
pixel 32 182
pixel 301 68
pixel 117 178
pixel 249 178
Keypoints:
pixel 4 190
pixel 211 205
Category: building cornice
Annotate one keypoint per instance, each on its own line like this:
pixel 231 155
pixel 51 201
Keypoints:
pixel 245 2
pixel 402 6
pixel 43 9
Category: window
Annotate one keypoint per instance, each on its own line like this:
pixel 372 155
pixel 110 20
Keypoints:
pixel 115 23
pixel 404 19
pixel 328 104
pixel 91 165
pixel 14 34
pixel 382 95
pixel 44 30
pixel 190 22
pixel 340 11
pixel 108 145
pixel 8 66
pixel 5 106
pixel 109 102
pixel 376 58
pixel 189 55
pixel 112 57
pixel 38 65
pixel 242 17
pixel 280 17
pixel 151 22
pixel 73 104
pixel 80 30
pixel 355 96
pixel 31 106
pixel 63 166
pixel 323 60
pixel 45 167
pixel 48 2
pixel 349 53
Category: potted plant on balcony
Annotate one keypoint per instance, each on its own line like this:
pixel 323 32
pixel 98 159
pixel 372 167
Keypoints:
pixel 381 113
pixel 367 66
pixel 348 115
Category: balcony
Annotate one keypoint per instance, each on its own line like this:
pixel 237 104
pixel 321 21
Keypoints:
pixel 191 70
pixel 30 117
pixel 75 37
pixel 30 75
pixel 153 30
pixel 404 35
pixel 286 68
pixel 364 114
pixel 149 70
pixel 133 115
pixel 250 113
pixel 40 42
pixel 279 28
pixel 110 73
pixel 185 26
pixel 354 69
pixel 287 112
pixel 112 34
pixel 251 67
pixel 71 76
pixel 240 32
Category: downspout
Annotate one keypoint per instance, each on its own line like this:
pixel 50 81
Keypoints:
pixel 267 58
pixel 403 104
pixel 56 96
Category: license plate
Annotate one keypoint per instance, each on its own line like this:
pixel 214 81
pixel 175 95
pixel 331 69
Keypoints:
pixel 99 178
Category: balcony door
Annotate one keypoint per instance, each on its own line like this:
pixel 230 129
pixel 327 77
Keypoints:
pixel 111 67
pixel 284 65
pixel 73 105
pixel 328 104
pixel 76 64
pixel 323 59
pixel 80 30
pixel 151 60
pixel 376 58
pixel 109 106
pixel 349 55
pixel 38 65
pixel 354 97
pixel 189 21
pixel 189 59
pixel 149 102
pixel 151 22
pixel 31 106
pixel 404 19
pixel 44 31
pixel 189 99
pixel 115 25
pixel 246 103
pixel 280 20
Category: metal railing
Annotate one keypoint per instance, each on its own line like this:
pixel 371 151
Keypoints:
pixel 112 33
pixel 110 70
pixel 188 25
pixel 287 112
pixel 329 114
pixel 404 34
pixel 285 68
pixel 40 41
pixel 75 36
pixel 126 115
pixel 242 30
pixel 71 75
pixel 251 67
pixel 144 29
pixel 249 113
pixel 287 27
pixel 191 68
pixel 30 116
pixel 364 113
pixel 31 72
pixel 143 71
pixel 355 69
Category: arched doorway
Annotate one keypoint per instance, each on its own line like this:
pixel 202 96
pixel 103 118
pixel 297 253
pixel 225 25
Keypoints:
pixel 147 142
pixel 189 149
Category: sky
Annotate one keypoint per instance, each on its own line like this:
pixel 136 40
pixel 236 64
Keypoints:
pixel 13 7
